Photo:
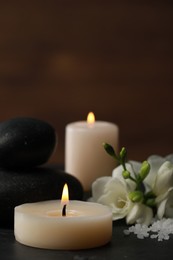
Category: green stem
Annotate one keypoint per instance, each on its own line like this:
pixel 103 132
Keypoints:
pixel 123 164
pixel 132 179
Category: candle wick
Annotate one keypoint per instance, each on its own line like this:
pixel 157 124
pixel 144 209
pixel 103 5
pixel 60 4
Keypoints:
pixel 64 210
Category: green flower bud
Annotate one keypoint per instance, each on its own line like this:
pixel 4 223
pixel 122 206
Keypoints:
pixel 145 168
pixel 126 174
pixel 136 196
pixel 109 149
pixel 123 153
pixel 151 202
pixel 149 195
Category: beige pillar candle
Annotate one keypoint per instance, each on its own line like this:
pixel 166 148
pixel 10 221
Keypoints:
pixel 85 157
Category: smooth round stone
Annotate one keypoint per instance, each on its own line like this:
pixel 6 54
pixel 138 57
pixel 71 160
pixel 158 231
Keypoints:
pixel 26 142
pixel 38 184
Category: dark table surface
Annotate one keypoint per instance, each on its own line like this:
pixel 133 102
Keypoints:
pixel 120 247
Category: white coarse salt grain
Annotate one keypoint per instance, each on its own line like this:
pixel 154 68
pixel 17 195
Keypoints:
pixel 161 230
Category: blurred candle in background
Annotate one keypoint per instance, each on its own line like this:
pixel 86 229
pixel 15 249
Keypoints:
pixel 85 157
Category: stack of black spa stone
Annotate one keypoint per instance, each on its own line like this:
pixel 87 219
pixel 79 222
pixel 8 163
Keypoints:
pixel 25 145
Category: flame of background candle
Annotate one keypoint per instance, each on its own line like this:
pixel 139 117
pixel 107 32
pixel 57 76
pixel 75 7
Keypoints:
pixel 91 119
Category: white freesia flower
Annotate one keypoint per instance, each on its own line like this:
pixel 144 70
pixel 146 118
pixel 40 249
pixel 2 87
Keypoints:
pixel 164 178
pixel 139 213
pixel 113 192
pixel 156 162
pixel 116 191
pixel 160 181
pixel 165 204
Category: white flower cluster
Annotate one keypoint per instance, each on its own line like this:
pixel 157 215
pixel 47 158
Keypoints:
pixel 114 191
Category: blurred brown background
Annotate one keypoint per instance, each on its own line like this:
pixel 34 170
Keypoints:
pixel 61 59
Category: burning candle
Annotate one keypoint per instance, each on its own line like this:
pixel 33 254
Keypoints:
pixel 66 225
pixel 85 157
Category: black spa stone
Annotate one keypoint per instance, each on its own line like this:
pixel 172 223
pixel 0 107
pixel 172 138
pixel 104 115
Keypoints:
pixel 38 184
pixel 25 142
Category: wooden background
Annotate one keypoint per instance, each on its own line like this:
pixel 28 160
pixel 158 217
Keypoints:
pixel 61 59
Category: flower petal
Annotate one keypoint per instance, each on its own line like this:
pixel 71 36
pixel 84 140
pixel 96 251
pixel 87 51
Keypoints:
pixel 155 162
pixel 169 205
pixel 169 157
pixel 134 213
pixel 146 217
pixel 114 190
pixel 116 197
pixel 163 196
pixel 161 208
pixel 140 214
pixel 117 173
pixel 119 205
pixel 135 166
pixel 98 187
pixel 161 202
pixel 164 179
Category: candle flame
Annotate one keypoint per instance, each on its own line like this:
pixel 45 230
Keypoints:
pixel 91 118
pixel 65 195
